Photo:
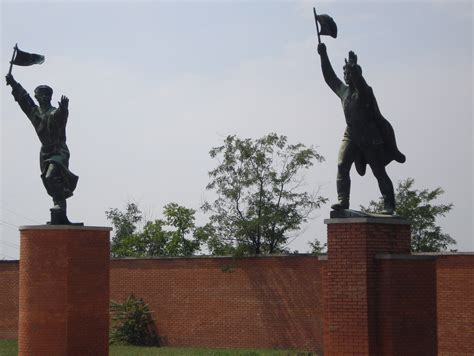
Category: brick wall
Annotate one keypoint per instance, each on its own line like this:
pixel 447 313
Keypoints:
pixel 265 302
pixel 277 301
pixel 406 305
pixel 455 304
pixel 9 281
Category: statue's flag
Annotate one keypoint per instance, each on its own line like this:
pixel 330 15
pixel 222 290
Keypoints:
pixel 328 26
pixel 21 58
pixel 27 59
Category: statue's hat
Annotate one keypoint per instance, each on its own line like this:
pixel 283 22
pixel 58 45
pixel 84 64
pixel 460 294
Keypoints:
pixel 44 89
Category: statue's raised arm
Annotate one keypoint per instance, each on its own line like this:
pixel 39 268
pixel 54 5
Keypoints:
pixel 21 96
pixel 329 75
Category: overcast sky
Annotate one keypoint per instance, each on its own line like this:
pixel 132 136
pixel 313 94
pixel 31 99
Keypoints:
pixel 154 85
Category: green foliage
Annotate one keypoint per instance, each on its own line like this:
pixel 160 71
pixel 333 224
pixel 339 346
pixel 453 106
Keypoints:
pixel 174 235
pixel 125 223
pixel 132 323
pixel 317 248
pixel 418 207
pixel 260 200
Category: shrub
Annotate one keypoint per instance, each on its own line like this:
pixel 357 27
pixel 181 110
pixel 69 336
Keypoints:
pixel 132 323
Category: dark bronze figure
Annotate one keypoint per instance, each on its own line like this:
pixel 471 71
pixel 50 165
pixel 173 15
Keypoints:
pixel 368 139
pixel 50 125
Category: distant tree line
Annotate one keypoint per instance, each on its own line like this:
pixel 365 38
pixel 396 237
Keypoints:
pixel 260 204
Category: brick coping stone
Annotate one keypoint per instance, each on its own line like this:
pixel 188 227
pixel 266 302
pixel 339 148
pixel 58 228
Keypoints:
pixel 367 220
pixel 63 227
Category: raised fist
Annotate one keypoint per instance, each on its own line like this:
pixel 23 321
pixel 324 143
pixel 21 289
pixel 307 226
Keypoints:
pixel 10 80
pixel 321 48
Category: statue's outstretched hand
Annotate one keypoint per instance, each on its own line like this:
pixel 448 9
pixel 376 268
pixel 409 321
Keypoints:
pixel 352 59
pixel 321 48
pixel 64 103
pixel 10 80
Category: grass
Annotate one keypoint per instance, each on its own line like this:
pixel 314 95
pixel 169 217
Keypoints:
pixel 10 348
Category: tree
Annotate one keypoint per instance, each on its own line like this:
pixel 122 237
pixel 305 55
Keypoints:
pixel 418 207
pixel 156 238
pixel 317 248
pixel 260 200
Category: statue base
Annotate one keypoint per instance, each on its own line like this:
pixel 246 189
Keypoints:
pixel 59 217
pixel 64 290
pixel 350 280
pixel 349 213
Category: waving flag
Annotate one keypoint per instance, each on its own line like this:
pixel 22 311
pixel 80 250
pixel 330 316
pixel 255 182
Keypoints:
pixel 21 58
pixel 328 26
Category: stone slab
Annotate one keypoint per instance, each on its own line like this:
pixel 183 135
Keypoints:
pixel 368 220
pixel 63 227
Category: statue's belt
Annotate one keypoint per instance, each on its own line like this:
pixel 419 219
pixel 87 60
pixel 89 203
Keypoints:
pixel 48 149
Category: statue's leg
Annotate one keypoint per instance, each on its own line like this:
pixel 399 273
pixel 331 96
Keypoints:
pixel 55 183
pixel 346 157
pixel 385 183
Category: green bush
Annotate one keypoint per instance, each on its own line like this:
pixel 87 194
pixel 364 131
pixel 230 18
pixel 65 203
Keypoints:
pixel 132 323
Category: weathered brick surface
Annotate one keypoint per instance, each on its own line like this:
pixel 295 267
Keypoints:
pixel 350 302
pixel 8 299
pixel 406 307
pixel 455 303
pixel 265 302
pixel 278 301
pixel 63 294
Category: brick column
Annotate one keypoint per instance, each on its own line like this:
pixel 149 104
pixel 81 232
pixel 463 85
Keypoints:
pixel 64 290
pixel 350 281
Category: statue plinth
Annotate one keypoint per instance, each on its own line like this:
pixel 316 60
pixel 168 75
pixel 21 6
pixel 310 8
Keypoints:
pixel 64 290
pixel 349 213
pixel 349 279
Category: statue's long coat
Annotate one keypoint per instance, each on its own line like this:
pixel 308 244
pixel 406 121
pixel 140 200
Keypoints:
pixel 50 126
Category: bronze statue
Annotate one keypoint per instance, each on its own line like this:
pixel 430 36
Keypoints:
pixel 50 125
pixel 368 139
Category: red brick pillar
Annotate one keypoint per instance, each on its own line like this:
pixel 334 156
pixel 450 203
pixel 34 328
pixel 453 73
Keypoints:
pixel 350 281
pixel 64 290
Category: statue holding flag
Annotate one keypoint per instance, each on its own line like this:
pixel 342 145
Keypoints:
pixel 50 125
pixel 369 138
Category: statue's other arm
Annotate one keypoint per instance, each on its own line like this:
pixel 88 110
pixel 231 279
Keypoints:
pixel 21 95
pixel 328 73
pixel 361 85
pixel 62 112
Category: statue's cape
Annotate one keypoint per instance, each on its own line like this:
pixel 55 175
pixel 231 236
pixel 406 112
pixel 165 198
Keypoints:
pixel 390 149
pixel 61 158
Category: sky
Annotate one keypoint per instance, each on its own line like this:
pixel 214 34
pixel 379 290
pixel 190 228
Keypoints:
pixel 154 85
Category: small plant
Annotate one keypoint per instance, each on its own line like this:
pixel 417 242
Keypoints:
pixel 132 323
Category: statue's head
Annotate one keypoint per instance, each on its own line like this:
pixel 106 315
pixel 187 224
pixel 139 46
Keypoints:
pixel 351 67
pixel 43 94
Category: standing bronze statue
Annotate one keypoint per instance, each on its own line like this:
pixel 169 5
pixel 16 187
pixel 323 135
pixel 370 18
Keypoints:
pixel 50 125
pixel 368 139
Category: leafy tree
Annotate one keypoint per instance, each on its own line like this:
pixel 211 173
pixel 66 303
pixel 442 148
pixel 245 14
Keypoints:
pixel 317 248
pixel 124 222
pixel 175 235
pixel 132 323
pixel 260 200
pixel 418 207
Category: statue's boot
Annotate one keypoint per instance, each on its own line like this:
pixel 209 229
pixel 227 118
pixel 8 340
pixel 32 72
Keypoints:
pixel 58 213
pixel 388 203
pixel 343 191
